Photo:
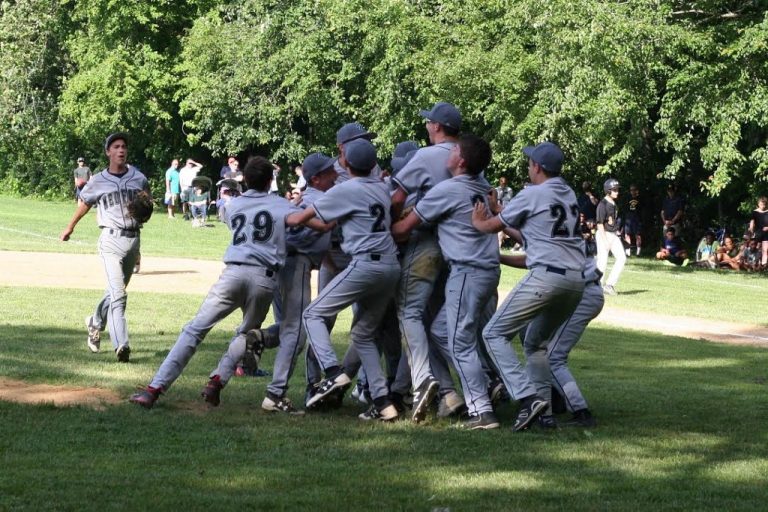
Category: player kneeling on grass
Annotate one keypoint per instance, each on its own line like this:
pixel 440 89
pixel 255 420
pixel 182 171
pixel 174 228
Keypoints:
pixel 473 257
pixel 258 222
pixel 361 207
pixel 547 214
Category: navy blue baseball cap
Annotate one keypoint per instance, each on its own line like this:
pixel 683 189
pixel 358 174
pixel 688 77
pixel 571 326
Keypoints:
pixel 352 131
pixel 443 113
pixel 315 164
pixel 112 137
pixel 400 156
pixel 360 154
pixel 548 155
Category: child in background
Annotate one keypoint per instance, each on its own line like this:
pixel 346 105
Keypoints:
pixel 672 251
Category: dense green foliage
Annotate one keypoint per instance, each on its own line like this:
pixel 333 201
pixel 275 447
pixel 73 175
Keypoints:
pixel 644 90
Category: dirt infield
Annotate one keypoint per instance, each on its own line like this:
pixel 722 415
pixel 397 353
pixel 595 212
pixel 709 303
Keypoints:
pixel 60 396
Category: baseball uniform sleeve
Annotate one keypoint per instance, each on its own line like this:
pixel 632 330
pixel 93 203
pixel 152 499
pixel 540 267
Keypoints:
pixel 411 177
pixel 91 191
pixel 334 204
pixel 517 210
pixel 600 216
pixel 434 205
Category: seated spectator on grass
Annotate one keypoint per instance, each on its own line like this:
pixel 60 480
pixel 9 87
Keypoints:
pixel 729 255
pixel 672 251
pixel 198 206
pixel 706 252
pixel 750 256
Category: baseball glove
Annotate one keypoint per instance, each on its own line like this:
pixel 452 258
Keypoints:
pixel 405 212
pixel 141 207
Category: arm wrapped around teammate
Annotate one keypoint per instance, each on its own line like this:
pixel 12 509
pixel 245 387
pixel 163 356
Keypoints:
pixel 141 207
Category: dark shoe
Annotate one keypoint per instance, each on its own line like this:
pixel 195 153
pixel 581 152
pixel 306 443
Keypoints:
pixel 558 402
pixel 422 398
pixel 387 413
pixel 212 391
pixel 123 354
pixel 340 381
pixel 529 411
pixel 274 403
pixel 482 421
pixel 146 397
pixel 496 391
pixel 581 418
pixel 254 347
pixel 547 422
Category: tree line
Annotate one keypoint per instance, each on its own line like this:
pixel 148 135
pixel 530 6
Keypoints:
pixel 646 91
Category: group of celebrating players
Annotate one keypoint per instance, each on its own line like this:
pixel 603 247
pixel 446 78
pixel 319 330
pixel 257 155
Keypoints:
pixel 426 282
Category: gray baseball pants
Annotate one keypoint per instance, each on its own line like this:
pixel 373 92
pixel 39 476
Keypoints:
pixel 369 280
pixel 118 255
pixel 246 287
pixel 565 339
pixel 544 298
pixel 421 265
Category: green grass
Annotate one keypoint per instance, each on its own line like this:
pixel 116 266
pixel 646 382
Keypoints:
pixel 682 427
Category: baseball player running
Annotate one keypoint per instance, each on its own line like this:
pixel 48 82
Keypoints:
pixel 258 223
pixel 607 236
pixel 361 206
pixel 422 259
pixel 473 258
pixel 306 249
pixel 546 213
pixel 112 190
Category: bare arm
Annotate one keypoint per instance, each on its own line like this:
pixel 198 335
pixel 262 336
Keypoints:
pixel 80 212
pixel 517 260
pixel 483 222
pixel 299 218
pixel 318 225
pixel 514 234
pixel 401 230
pixel 398 200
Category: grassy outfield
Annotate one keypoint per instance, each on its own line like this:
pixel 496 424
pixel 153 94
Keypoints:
pixel 645 285
pixel 682 427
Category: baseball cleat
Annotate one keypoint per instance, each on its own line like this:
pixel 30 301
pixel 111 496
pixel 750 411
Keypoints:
pixel 581 418
pixel 94 335
pixel 388 413
pixel 422 398
pixel 530 410
pixel 341 381
pixel 451 404
pixel 609 290
pixel 212 391
pixel 273 403
pixel 547 422
pixel 482 421
pixel 123 354
pixel 497 392
pixel 254 347
pixel 146 397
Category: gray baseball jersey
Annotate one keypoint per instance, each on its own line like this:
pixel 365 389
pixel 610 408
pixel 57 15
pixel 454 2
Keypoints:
pixel 113 194
pixel 427 168
pixel 547 215
pixel 257 221
pixel 361 206
pixel 450 204
pixel 304 239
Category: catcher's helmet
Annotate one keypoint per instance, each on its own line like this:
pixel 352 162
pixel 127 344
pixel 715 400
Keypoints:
pixel 610 184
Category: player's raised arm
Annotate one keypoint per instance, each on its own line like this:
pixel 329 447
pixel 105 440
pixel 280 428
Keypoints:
pixel 300 218
pixel 80 211
pixel 512 260
pixel 483 222
pixel 401 230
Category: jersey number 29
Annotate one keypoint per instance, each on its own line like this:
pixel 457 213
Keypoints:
pixel 263 226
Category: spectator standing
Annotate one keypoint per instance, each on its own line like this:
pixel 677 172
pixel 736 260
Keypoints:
pixel 273 188
pixel 672 210
pixel 588 201
pixel 633 221
pixel 186 175
pixel 82 174
pixel 229 167
pixel 672 251
pixel 172 187
pixel 758 226
pixel 607 236
pixel 503 196
pixel 300 183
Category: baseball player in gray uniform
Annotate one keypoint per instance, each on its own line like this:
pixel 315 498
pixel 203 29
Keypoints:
pixel 422 259
pixel 361 206
pixel 257 251
pixel 473 258
pixel 112 190
pixel 306 249
pixel 547 214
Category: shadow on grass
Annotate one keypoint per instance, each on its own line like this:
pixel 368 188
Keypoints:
pixel 662 441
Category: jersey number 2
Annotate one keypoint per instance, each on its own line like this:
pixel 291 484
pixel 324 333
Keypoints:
pixel 378 224
pixel 263 226
pixel 560 230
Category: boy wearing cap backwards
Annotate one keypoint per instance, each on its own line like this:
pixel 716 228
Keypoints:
pixel 258 222
pixel 361 206
pixel 473 258
pixel 422 260
pixel 112 189
pixel 305 250
pixel 547 214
